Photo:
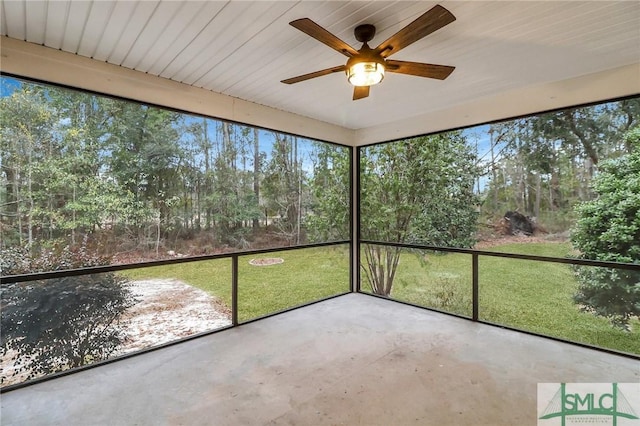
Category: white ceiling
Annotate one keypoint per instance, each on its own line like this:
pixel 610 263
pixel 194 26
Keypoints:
pixel 243 49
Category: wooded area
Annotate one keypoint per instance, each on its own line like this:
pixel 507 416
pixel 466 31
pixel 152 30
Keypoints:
pixel 140 181
pixel 542 166
pixel 137 182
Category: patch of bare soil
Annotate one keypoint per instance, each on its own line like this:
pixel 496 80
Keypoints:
pixel 266 261
pixel 508 239
pixel 167 310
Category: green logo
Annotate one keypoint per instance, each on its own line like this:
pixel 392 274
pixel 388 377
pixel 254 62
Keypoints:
pixel 603 402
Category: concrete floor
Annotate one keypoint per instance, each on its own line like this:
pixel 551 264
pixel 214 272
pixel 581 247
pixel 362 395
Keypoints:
pixel 353 360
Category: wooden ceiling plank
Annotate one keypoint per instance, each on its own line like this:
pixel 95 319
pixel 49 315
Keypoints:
pixel 176 26
pixel 241 37
pixel 57 12
pixel 153 30
pixel 234 23
pixel 118 20
pixel 97 22
pixel 185 37
pixel 36 19
pixel 76 23
pixel 139 19
pixel 3 20
pixel 16 19
pixel 284 39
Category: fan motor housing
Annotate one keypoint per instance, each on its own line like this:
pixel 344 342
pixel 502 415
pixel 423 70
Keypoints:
pixel 364 32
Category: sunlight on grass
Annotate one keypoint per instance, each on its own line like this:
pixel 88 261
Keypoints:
pixel 538 297
pixel 305 275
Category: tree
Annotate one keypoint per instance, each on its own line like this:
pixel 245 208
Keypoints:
pixel 328 219
pixel 256 175
pixel 26 136
pixel 283 186
pixel 232 196
pixel 60 323
pixel 545 163
pixel 419 191
pixel 608 229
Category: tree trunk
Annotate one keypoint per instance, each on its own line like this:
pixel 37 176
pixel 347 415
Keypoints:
pixel 30 192
pixel 582 137
pixel 298 176
pixel 380 269
pixel 520 195
pixel 554 189
pixel 228 163
pixel 207 173
pixel 536 211
pixel 494 173
pixel 256 174
pixel 73 215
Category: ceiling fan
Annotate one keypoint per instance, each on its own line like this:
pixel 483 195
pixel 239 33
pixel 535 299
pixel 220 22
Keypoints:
pixel 366 67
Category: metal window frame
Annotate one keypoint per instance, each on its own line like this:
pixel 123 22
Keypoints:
pixel 475 255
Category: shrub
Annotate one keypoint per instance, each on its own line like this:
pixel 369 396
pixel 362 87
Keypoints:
pixel 59 323
pixel 608 229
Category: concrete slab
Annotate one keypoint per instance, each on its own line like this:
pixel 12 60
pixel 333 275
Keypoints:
pixel 353 360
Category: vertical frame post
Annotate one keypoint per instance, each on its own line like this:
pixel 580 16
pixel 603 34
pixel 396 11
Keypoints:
pixel 474 285
pixel 234 290
pixel 355 273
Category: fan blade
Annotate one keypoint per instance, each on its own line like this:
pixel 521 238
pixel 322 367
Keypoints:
pixel 311 75
pixel 309 27
pixel 419 69
pixel 432 20
pixel 360 92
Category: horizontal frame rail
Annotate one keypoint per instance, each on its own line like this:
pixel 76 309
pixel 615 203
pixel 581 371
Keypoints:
pixel 475 285
pixel 235 322
pixel 566 260
pixel 8 279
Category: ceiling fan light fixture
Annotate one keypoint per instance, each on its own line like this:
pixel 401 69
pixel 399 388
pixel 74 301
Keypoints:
pixel 365 73
pixel 366 66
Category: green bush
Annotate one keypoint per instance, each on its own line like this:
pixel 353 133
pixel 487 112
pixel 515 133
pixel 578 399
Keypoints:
pixel 608 229
pixel 59 323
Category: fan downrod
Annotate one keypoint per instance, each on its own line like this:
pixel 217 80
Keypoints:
pixel 364 33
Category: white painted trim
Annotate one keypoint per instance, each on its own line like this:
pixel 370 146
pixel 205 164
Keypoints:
pixel 46 64
pixel 55 66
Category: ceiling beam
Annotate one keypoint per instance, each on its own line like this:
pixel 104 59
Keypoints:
pixel 55 66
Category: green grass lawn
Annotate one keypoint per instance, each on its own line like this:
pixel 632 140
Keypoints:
pixel 533 296
pixel 304 276
pixel 537 296
pixel 448 277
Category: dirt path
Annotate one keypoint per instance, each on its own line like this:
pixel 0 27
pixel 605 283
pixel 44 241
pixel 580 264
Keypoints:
pixel 167 310
pixel 492 242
